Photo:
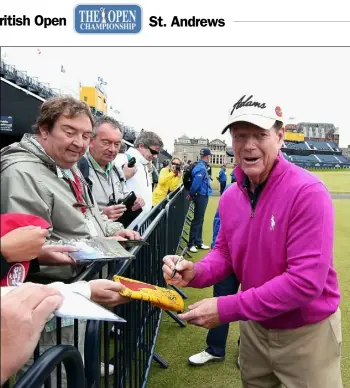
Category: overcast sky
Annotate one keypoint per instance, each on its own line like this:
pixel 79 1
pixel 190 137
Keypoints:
pixel 173 91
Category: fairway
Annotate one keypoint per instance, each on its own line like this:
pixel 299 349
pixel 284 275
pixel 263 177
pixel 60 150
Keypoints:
pixel 337 181
pixel 176 344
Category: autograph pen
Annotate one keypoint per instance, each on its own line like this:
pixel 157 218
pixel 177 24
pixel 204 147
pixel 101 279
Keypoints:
pixel 180 258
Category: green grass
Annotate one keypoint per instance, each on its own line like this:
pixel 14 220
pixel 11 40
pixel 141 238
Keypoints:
pixel 337 181
pixel 176 344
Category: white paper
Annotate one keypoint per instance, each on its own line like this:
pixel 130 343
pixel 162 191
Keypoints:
pixel 78 307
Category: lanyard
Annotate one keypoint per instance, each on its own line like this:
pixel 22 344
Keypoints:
pixel 109 178
pixel 77 190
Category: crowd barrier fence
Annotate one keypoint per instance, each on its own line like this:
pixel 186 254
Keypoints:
pixel 129 347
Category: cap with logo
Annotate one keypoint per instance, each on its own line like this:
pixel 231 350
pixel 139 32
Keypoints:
pixel 204 152
pixel 254 111
pixel 8 222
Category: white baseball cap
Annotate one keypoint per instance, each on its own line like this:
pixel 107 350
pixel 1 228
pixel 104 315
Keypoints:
pixel 255 111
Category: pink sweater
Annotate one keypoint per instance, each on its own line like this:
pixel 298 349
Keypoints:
pixel 282 255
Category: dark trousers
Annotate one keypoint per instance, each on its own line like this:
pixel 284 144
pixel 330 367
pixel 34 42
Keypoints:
pixel 200 206
pixel 216 338
pixel 222 187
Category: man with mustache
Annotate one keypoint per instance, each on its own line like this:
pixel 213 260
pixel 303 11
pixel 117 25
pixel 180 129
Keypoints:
pixel 107 181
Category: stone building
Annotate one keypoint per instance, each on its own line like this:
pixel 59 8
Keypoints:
pixel 188 149
pixel 218 149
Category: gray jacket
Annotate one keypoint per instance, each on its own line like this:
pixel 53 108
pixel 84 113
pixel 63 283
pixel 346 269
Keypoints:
pixel 103 187
pixel 32 183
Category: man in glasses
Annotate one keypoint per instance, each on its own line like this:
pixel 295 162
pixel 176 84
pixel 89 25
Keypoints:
pixel 146 148
pixel 107 181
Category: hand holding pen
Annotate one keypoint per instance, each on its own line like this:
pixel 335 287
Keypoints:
pixel 180 258
pixel 177 271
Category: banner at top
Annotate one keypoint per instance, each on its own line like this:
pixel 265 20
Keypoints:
pixel 107 19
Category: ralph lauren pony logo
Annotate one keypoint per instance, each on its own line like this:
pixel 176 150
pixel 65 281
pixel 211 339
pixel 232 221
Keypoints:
pixel 248 102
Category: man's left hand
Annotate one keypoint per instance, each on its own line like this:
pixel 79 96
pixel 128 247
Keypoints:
pixel 138 204
pixel 128 234
pixel 203 313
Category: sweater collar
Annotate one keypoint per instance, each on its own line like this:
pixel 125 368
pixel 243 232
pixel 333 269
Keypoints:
pixel 279 167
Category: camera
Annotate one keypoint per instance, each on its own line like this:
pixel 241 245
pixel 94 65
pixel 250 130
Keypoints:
pixel 132 162
pixel 112 201
pixel 176 167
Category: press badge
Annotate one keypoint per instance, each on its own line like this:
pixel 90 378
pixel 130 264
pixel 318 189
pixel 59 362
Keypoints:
pixel 92 230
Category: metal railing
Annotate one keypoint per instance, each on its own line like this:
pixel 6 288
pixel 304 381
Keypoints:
pixel 38 373
pixel 129 348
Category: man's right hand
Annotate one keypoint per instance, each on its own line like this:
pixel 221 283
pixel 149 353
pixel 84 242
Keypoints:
pixel 189 198
pixel 184 274
pixel 24 312
pixel 23 244
pixel 114 212
pixel 129 172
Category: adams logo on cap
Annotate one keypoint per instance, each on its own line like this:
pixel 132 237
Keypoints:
pixel 248 102
pixel 255 111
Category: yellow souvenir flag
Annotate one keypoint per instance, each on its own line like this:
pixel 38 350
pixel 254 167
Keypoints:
pixel 161 297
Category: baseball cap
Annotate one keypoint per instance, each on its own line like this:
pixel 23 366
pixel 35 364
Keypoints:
pixel 11 221
pixel 204 152
pixel 255 111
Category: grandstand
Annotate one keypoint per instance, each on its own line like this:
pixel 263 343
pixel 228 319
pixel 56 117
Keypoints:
pixel 22 95
pixel 312 153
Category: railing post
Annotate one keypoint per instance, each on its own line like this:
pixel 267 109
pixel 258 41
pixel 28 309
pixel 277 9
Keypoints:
pixel 46 363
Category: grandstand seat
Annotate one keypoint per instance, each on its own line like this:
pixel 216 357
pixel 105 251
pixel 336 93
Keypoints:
pixel 296 145
pixel 319 145
pixel 327 158
pixel 343 159
pixel 303 158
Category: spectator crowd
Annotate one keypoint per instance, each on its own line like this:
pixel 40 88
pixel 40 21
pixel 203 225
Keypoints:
pixel 270 262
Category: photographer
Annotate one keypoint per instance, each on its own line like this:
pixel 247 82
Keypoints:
pixel 106 181
pixel 170 178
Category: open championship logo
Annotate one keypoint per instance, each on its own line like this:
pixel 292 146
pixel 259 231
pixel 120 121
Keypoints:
pixel 107 19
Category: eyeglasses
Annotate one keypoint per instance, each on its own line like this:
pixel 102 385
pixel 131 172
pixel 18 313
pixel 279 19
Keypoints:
pixel 153 152
pixel 176 164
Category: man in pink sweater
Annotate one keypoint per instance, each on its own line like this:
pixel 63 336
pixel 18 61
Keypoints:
pixel 279 243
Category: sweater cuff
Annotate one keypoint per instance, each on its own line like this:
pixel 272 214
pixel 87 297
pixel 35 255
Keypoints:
pixel 196 281
pixel 227 308
pixel 83 288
